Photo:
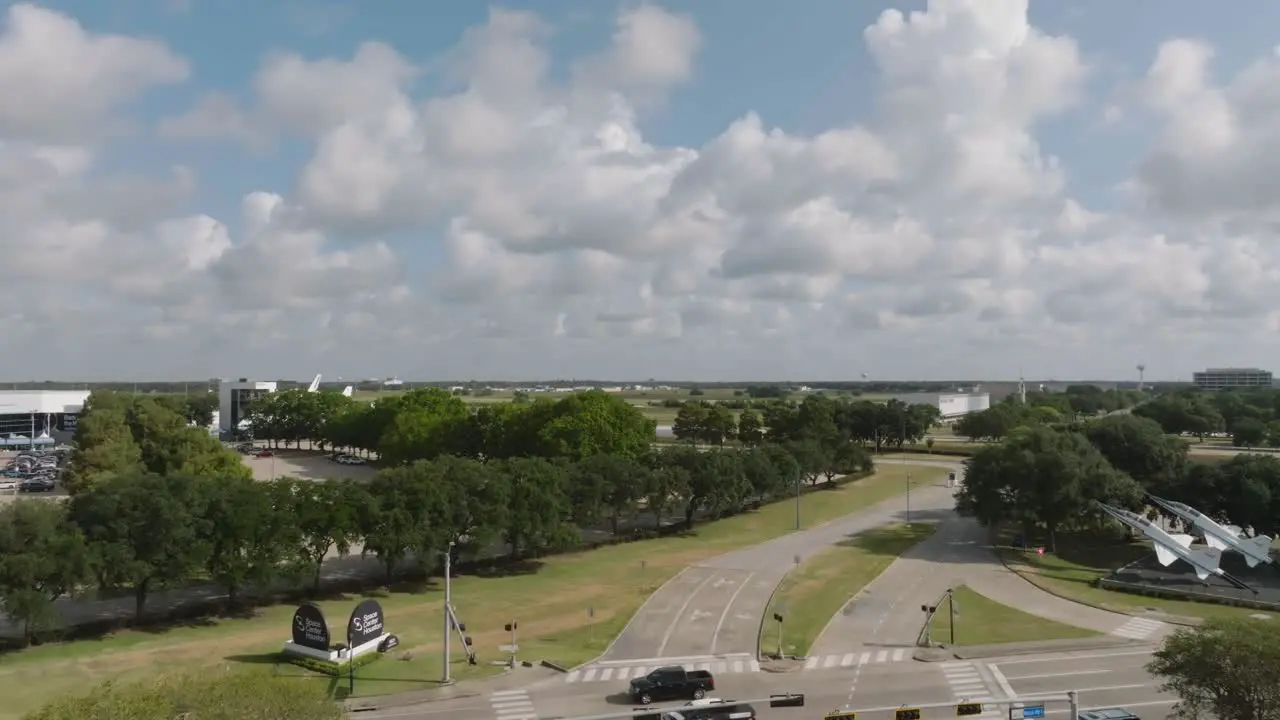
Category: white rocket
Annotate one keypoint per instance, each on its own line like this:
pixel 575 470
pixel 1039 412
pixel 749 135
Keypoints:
pixel 1223 537
pixel 1173 547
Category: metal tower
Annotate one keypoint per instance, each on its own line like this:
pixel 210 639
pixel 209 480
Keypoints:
pixel 1142 368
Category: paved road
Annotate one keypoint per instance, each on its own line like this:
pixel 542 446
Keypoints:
pixel 711 612
pixel 1102 678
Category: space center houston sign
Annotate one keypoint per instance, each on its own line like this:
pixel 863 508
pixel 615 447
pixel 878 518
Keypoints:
pixel 365 624
pixel 309 628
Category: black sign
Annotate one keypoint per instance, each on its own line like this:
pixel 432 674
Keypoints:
pixel 388 643
pixel 907 714
pixel 309 628
pixel 841 716
pixel 966 709
pixel 365 623
pixel 67 423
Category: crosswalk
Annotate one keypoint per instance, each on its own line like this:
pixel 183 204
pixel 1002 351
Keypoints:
pixel 967 685
pixel 512 705
pixel 1138 628
pixel 846 660
pixel 604 673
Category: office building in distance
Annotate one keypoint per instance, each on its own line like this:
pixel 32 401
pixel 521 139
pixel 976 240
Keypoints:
pixel 952 406
pixel 234 398
pixel 1232 378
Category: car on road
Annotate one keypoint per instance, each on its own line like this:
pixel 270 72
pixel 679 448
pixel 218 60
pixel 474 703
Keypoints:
pixel 264 454
pixel 1108 714
pixel 672 682
pixel 349 460
pixel 707 709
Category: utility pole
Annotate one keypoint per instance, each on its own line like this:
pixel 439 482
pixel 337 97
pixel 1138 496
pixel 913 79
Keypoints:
pixel 797 498
pixel 448 612
pixel 908 496
pixel 951 609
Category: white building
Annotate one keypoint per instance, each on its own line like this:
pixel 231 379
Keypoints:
pixel 235 396
pixel 47 415
pixel 951 405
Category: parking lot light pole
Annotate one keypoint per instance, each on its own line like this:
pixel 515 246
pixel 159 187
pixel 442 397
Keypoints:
pixel 448 612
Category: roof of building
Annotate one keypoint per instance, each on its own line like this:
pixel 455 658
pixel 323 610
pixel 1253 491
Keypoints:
pixel 1221 371
pixel 25 402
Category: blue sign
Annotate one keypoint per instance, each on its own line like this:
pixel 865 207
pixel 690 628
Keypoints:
pixel 1033 712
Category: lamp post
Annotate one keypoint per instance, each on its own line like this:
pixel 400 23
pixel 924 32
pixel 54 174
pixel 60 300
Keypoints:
pixel 908 497
pixel 448 612
pixel 797 497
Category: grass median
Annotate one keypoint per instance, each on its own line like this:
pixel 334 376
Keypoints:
pixel 1082 558
pixel 569 608
pixel 815 590
pixel 982 621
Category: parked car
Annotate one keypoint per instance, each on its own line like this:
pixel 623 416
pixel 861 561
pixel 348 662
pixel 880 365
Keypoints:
pixel 350 460
pixel 708 709
pixel 36 485
pixel 8 484
pixel 672 682
pixel 264 454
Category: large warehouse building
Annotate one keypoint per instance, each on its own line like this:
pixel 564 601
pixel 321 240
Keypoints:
pixel 951 405
pixel 39 417
pixel 1231 378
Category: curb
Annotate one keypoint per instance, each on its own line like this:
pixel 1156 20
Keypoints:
pixel 1031 578
pixel 552 666
pixel 391 701
pixel 1045 647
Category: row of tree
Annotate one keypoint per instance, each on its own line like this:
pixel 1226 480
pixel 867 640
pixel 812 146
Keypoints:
pixel 1076 403
pixel 144 530
pixel 818 418
pixel 1047 477
pixel 1250 417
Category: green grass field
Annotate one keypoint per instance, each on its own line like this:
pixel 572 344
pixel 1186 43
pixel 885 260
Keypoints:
pixel 569 610
pixel 982 621
pixel 816 590
pixel 1082 559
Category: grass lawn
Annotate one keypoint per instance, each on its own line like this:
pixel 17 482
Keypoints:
pixel 982 621
pixel 816 590
pixel 1082 559
pixel 553 600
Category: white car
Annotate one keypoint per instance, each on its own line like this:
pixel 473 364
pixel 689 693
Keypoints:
pixel 350 460
pixel 7 484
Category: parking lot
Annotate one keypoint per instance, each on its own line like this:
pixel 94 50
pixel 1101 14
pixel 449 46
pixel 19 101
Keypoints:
pixel 31 473
pixel 304 465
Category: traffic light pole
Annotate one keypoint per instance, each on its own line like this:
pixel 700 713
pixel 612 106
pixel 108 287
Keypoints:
pixel 448 613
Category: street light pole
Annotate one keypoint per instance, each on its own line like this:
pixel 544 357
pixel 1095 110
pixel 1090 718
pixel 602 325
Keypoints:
pixel 797 498
pixel 448 612
pixel 908 497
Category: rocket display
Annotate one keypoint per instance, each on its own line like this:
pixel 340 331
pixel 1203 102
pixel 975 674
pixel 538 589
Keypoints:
pixel 1173 547
pixel 1223 537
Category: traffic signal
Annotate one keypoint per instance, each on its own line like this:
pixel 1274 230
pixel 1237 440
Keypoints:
pixel 511 626
pixel 841 716
pixel 967 709
pixel 788 700
pixel 907 714
pixel 466 640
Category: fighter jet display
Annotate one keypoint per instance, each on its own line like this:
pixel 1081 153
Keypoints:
pixel 1229 537
pixel 1173 547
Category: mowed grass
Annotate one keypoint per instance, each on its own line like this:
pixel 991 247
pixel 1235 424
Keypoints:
pixel 982 621
pixel 1082 559
pixel 819 587
pixel 569 610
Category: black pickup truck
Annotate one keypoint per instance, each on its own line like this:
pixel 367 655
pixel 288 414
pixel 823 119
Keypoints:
pixel 671 683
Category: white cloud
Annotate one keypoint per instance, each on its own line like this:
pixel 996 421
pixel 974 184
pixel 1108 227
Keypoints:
pixel 934 236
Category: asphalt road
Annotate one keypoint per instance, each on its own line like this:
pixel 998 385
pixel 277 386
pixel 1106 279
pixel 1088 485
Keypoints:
pixel 1102 679
pixel 711 612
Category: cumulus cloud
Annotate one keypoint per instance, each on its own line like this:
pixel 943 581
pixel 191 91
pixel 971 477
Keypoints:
pixel 521 215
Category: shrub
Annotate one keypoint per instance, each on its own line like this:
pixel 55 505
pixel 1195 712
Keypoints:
pixel 325 667
pixel 227 695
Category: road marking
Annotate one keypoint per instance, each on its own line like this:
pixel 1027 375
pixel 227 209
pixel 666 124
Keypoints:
pixel 897 654
pixel 811 662
pixel 715 636
pixel 590 675
pixel 1138 628
pixel 512 705
pixel 864 658
pixel 1104 688
pixel 1057 674
pixel 1068 658
pixel 831 661
pixel 593 673
pixel 1002 681
pixel 847 660
pixel 826 662
pixel 607 673
pixel 882 656
pixel 1145 703
pixel 573 676
pixel 967 685
pixel 666 638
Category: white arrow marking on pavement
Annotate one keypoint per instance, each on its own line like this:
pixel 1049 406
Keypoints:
pixel 743 616
pixel 697 615
pixel 721 582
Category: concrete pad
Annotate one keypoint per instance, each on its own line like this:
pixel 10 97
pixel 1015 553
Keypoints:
pixel 304 465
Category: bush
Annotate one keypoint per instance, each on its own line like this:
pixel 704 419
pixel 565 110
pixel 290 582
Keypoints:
pixel 325 667
pixel 229 695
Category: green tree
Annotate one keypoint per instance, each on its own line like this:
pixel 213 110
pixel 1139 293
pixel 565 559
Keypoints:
pixel 1226 668
pixel 535 505
pixel 665 487
pixel 199 408
pixel 595 422
pixel 44 558
pixel 1249 432
pixel 1040 477
pixel 605 487
pixel 750 428
pixel 398 519
pixel 248 531
pixel 327 519
pixel 1138 446
pixel 720 425
pixel 690 424
pixel 104 447
pixel 424 426
pixel 143 529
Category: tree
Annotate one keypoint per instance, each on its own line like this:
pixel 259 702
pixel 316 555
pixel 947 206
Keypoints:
pixel 1227 668
pixel 605 486
pixel 199 408
pixel 104 447
pixel 143 529
pixel 690 423
pixel 535 505
pixel 1248 432
pixel 665 487
pixel 1040 477
pixel 44 559
pixel 719 426
pixel 750 428
pixel 424 426
pixel 327 518
pixel 595 422
pixel 248 530
pixel 1138 446
pixel 398 518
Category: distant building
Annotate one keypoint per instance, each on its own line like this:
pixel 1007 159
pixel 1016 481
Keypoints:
pixel 1231 378
pixel 39 417
pixel 234 398
pixel 951 405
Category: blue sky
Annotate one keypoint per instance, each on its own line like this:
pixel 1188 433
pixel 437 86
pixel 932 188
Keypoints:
pixel 805 68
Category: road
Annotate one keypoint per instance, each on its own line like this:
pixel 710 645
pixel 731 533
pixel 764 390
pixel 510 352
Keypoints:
pixel 710 614
pixel 1102 678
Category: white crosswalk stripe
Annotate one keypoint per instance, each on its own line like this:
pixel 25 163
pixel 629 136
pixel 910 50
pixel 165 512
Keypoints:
pixel 847 660
pixel 967 685
pixel 612 672
pixel 512 705
pixel 1137 628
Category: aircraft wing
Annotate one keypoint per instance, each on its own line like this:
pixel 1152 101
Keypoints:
pixel 1183 540
pixel 1214 541
pixel 1164 554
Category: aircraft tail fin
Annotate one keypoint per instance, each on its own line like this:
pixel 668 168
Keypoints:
pixel 315 384
pixel 1262 546
pixel 348 390
pixel 1233 529
pixel 1183 540
pixel 1206 557
pixel 1214 542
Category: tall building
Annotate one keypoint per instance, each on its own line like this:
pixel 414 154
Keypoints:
pixel 1231 378
pixel 234 398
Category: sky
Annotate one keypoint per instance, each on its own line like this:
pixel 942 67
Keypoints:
pixel 697 189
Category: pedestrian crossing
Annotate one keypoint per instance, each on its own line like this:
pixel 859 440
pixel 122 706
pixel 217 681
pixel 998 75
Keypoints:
pixel 606 673
pixel 967 685
pixel 1138 628
pixel 512 705
pixel 847 660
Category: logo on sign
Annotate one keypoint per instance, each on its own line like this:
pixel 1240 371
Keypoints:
pixel 309 627
pixel 366 623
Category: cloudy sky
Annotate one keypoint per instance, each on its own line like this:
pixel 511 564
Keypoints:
pixel 710 189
